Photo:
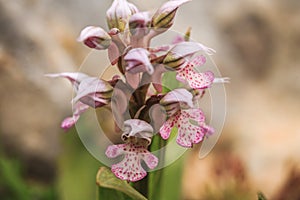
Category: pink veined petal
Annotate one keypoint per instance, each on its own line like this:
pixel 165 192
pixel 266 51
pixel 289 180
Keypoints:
pixel 113 151
pixel 166 128
pixel 150 159
pixel 68 122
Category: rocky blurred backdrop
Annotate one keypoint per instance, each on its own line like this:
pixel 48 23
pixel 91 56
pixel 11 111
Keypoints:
pixel 258 47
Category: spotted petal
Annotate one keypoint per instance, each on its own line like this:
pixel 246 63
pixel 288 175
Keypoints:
pixel 130 167
pixel 113 151
pixel 195 79
pixel 188 134
pixel 191 127
pixel 150 160
pixel 166 128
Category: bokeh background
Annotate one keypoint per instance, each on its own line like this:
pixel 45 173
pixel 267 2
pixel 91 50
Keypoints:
pixel 258 47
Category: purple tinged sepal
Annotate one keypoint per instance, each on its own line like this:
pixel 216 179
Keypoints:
pixel 163 19
pixel 94 92
pixel 78 109
pixel 139 24
pixel 178 55
pixel 137 128
pixel 90 92
pixel 176 100
pixel 95 38
pixel 137 60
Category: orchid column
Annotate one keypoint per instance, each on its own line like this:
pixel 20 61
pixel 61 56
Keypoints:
pixel 133 96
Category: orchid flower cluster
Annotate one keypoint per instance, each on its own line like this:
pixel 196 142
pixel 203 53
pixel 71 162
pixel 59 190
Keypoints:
pixel 139 88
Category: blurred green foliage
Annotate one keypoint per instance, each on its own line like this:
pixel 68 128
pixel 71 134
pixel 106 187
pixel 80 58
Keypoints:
pixel 76 178
pixel 14 186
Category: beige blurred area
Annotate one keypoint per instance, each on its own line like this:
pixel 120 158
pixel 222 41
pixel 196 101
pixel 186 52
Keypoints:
pixel 258 47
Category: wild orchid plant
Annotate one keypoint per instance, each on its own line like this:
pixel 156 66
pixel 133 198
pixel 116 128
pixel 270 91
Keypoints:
pixel 133 96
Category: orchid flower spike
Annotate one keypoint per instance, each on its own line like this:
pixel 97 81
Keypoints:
pixel 137 134
pixel 95 38
pixel 190 122
pixel 118 14
pixel 163 19
pixel 137 60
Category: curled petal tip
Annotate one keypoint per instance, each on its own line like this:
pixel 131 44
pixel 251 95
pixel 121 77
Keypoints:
pixel 95 38
pixel 222 80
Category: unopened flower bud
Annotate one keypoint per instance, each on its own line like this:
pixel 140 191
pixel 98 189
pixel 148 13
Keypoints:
pixel 137 60
pixel 118 14
pixel 164 16
pixel 95 38
pixel 139 24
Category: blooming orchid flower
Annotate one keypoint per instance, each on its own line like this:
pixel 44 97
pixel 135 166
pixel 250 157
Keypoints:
pixel 137 136
pixel 190 122
pixel 95 38
pixel 196 80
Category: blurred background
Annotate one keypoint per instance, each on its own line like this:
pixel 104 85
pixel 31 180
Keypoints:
pixel 258 47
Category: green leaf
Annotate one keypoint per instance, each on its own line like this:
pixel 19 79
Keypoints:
pixel 261 196
pixel 110 187
pixel 170 82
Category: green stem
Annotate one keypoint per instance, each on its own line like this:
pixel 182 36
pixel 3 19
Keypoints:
pixel 155 177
